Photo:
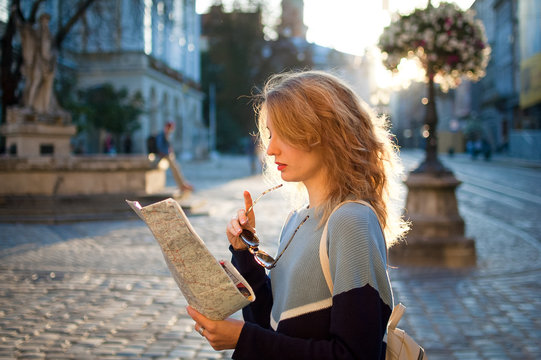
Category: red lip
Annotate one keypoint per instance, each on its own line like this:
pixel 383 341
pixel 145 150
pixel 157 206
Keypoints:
pixel 281 166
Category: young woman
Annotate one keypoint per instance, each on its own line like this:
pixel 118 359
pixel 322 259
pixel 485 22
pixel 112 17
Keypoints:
pixel 319 135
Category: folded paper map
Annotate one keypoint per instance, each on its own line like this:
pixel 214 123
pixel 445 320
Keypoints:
pixel 214 288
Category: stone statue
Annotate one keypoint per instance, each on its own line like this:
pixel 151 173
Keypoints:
pixel 39 65
pixel 52 137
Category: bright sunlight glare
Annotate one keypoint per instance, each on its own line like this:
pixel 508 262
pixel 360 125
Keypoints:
pixel 350 26
pixel 408 71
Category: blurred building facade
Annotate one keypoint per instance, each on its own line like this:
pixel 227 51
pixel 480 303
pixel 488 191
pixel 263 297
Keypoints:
pixel 352 68
pixel 292 19
pixel 407 115
pixel 407 108
pixel 506 103
pixel 145 46
pixel 289 50
pixel 503 109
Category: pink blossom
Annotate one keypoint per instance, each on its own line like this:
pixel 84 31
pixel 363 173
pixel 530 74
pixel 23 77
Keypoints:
pixel 452 59
pixel 479 45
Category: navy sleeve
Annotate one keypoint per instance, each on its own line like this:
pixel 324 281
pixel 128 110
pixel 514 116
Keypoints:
pixel 257 312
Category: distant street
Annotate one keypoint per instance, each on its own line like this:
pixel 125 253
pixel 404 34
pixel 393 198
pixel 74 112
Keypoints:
pixel 101 290
pixel 498 190
pixel 500 195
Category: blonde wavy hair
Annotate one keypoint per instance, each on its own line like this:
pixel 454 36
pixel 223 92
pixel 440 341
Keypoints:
pixel 316 111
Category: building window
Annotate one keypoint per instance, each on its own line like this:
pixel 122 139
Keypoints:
pixel 4 11
pixel 147 22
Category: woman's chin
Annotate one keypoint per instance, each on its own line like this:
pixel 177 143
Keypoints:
pixel 287 178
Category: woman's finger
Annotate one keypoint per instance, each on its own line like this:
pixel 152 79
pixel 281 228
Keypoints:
pixel 198 317
pixel 222 334
pixel 233 231
pixel 239 222
pixel 200 329
pixel 248 202
pixel 241 217
pixel 234 228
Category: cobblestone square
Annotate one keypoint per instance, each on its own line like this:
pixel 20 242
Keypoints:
pixel 101 290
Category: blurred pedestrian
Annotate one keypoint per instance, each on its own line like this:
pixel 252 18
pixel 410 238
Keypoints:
pixel 252 149
pixel 165 151
pixel 477 148
pixel 109 145
pixel 317 133
pixel 127 144
pixel 486 149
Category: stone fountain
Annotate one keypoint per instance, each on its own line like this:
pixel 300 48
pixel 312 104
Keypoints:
pixel 41 181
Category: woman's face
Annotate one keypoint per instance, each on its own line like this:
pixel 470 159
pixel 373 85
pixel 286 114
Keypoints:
pixel 295 164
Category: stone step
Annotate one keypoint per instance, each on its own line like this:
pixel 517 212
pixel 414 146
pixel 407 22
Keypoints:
pixel 64 208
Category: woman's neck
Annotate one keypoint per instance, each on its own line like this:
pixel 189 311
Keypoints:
pixel 317 187
pixel 317 194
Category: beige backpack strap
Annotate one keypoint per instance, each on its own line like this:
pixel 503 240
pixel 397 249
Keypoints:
pixel 323 251
pixel 396 315
pixel 324 258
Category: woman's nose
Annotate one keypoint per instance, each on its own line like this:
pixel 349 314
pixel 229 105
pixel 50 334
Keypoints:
pixel 272 149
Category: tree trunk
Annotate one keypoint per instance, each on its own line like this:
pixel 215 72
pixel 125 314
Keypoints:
pixel 10 66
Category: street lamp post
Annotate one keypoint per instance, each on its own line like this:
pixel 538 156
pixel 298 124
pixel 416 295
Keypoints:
pixel 431 163
pixel 437 236
pixel 450 44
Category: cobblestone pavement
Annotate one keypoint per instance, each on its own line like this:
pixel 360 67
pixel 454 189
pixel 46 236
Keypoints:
pixel 101 290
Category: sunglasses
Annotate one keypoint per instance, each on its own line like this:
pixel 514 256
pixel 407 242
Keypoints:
pixel 251 240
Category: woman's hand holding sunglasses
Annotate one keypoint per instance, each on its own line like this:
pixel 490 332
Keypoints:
pixel 243 220
pixel 241 232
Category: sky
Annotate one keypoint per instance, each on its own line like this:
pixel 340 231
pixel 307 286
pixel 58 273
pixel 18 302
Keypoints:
pixel 346 25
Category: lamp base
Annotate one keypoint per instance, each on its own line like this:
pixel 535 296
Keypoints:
pixel 437 234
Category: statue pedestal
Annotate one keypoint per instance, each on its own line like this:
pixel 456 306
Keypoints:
pixel 49 190
pixel 437 234
pixel 29 134
pixel 43 183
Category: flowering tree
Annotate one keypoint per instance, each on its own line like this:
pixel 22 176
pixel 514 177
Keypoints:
pixel 449 43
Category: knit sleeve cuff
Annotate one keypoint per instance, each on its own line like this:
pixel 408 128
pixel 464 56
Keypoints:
pixel 247 343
